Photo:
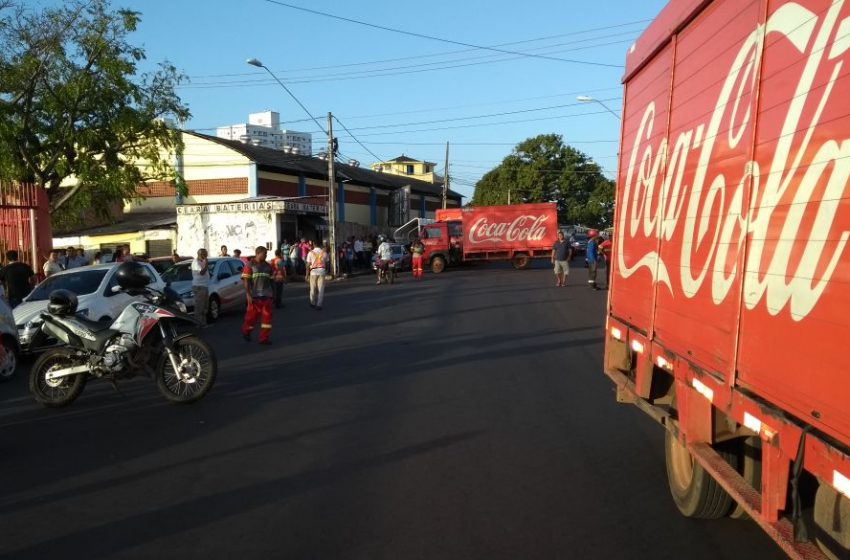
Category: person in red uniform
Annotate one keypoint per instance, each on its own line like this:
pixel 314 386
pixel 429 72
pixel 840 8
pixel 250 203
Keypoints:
pixel 258 278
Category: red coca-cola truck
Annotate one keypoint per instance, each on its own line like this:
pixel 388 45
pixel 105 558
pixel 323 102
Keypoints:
pixel 729 309
pixel 515 233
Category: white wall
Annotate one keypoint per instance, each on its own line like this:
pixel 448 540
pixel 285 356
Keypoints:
pixel 237 230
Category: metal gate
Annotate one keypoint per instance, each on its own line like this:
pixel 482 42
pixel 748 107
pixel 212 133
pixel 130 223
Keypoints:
pixel 25 223
pixel 158 248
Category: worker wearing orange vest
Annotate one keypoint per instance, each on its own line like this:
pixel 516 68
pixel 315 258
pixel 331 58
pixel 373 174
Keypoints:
pixel 279 277
pixel 257 276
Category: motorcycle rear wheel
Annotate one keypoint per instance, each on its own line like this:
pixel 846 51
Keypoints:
pixel 198 369
pixel 61 392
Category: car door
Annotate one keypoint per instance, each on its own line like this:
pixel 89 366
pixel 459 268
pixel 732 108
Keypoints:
pixel 230 287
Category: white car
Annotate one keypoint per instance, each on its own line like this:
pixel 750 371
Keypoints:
pixel 226 290
pixel 93 286
pixel 9 341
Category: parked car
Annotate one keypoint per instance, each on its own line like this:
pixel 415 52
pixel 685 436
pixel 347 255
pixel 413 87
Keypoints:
pixel 225 289
pixel 161 264
pixel 578 241
pixel 9 342
pixel 401 256
pixel 93 286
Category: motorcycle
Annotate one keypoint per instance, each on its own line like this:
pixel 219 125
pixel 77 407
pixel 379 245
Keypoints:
pixel 143 340
pixel 387 272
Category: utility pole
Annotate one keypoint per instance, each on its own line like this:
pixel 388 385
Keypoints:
pixel 331 196
pixel 446 178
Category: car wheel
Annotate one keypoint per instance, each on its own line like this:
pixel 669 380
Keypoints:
pixel 10 363
pixel 214 309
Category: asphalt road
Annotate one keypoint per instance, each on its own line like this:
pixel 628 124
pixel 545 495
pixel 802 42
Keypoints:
pixel 464 416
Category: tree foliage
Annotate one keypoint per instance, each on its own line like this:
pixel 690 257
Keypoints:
pixel 75 108
pixel 544 169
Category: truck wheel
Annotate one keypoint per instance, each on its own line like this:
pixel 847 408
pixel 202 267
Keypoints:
pixel 832 515
pixel 749 461
pixel 520 262
pixel 694 491
pixel 438 264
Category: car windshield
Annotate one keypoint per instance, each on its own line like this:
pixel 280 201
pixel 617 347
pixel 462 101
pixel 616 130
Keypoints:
pixel 81 283
pixel 579 237
pixel 183 272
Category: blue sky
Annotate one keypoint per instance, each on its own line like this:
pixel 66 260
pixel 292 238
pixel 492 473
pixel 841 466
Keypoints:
pixel 425 92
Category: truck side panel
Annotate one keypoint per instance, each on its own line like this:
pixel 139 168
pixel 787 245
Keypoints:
pixel 796 309
pixel 732 210
pixel 644 124
pixel 697 315
pixel 506 229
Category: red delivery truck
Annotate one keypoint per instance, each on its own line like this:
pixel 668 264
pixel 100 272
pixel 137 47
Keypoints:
pixel 729 310
pixel 515 233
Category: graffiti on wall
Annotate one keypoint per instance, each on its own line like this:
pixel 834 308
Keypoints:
pixel 237 230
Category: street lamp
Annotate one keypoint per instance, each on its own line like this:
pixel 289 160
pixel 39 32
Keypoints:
pixel 588 99
pixel 331 181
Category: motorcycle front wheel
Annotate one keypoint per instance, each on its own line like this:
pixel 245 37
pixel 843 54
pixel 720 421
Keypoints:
pixel 197 369
pixel 56 392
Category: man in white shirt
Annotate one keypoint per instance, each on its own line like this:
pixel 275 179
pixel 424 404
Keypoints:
pixel 200 286
pixel 385 255
pixel 358 251
pixel 51 265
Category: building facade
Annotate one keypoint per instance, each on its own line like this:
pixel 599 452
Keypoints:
pixel 263 129
pixel 409 167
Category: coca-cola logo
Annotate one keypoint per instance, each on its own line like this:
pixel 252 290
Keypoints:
pixel 712 209
pixel 522 228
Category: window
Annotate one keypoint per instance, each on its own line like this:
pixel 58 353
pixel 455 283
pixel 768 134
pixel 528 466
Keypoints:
pixel 433 233
pixel 81 283
pixel 410 170
pixel 178 273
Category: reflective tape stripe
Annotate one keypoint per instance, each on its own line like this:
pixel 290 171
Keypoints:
pixel 265 326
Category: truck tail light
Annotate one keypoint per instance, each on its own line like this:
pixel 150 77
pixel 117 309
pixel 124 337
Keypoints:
pixel 637 346
pixel 664 363
pixel 841 483
pixel 616 333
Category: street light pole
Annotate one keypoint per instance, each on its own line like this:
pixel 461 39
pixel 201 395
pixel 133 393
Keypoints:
pixel 588 99
pixel 332 197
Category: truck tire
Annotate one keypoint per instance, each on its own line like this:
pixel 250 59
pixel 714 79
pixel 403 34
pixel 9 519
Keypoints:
pixel 694 491
pixel 438 264
pixel 520 261
pixel 749 467
pixel 832 516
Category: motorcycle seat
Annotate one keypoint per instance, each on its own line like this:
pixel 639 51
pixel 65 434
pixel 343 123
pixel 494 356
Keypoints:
pixel 93 326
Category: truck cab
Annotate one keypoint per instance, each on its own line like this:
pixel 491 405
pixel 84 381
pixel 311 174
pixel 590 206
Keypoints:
pixel 443 244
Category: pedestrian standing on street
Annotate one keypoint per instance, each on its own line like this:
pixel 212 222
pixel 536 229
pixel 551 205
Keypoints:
pixel 200 286
pixel 417 249
pixel 259 292
pixel 98 256
pixel 593 257
pixel 17 278
pixel 303 249
pixel 358 250
pixel 605 249
pixel 317 263
pixel 279 276
pixel 223 251
pixel 561 255
pixel 295 258
pixel 285 249
pixel 51 265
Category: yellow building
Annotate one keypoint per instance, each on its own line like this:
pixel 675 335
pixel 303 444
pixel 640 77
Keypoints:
pixel 409 167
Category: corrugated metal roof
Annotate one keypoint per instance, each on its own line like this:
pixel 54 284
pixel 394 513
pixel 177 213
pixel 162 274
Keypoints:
pixel 268 159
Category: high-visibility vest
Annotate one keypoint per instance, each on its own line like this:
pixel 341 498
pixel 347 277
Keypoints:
pixel 318 260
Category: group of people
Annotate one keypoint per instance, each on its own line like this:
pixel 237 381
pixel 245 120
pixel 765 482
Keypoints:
pixel 598 251
pixel 263 280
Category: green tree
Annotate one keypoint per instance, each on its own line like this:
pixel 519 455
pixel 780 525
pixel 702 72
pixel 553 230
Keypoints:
pixel 75 108
pixel 544 169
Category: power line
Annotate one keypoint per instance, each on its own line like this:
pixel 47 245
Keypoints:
pixel 358 141
pixel 432 55
pixel 440 39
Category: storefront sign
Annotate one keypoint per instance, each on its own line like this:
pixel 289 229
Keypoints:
pixel 276 206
